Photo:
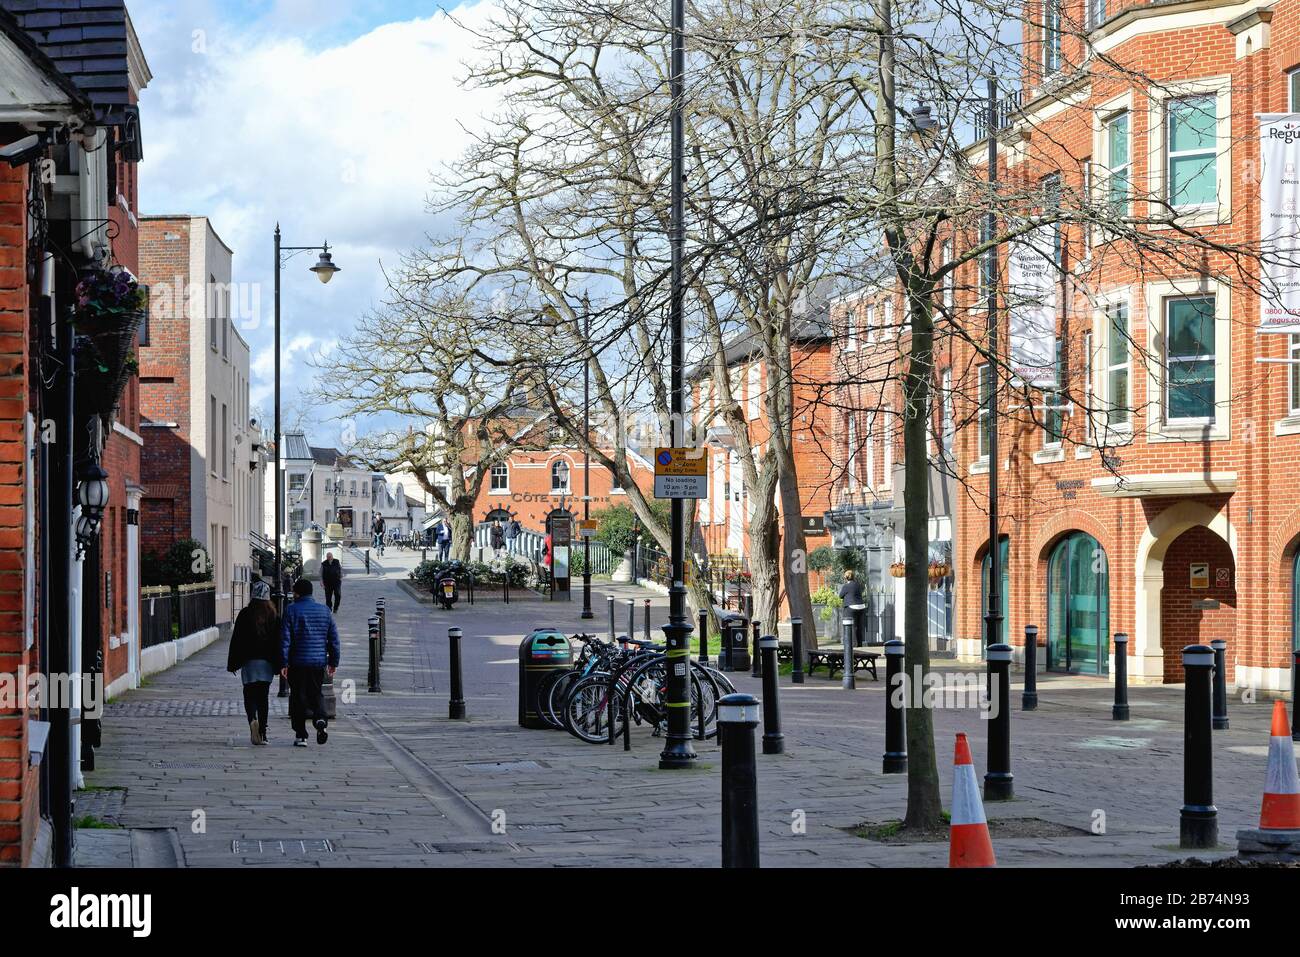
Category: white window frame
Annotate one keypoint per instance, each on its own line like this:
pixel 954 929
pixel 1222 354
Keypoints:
pixel 752 389
pixel 888 325
pixel 948 284
pixel 1053 399
pixel 1110 368
pixel 1293 397
pixel 869 322
pixel 947 421
pixel 871 450
pixel 1126 168
pixel 851 328
pixel 1158 174
pixel 982 373
pixel 851 444
pixel 1084 450
pixel 567 487
pixel 1167 305
pixel 1051 68
pixel 1171 154
pixel 492 479
pixel 1158 429
pixel 887 448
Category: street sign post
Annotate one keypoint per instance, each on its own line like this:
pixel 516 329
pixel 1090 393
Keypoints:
pixel 682 473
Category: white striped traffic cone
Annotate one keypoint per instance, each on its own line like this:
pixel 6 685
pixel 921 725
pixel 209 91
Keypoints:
pixel 1281 809
pixel 969 844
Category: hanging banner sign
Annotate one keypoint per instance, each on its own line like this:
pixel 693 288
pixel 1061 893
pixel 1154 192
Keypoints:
pixel 1279 227
pixel 1032 279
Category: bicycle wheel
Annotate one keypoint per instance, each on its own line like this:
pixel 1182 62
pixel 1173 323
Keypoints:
pixel 541 704
pixel 586 710
pixel 552 702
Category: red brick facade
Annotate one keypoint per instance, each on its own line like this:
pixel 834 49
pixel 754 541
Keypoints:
pixel 529 495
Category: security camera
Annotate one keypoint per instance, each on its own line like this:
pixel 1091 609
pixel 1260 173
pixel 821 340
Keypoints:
pixel 23 151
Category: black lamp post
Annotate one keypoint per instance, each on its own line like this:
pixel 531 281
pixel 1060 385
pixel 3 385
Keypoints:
pixel 587 613
pixel 324 270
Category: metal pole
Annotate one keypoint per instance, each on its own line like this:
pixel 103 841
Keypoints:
pixel 587 613
pixel 1120 711
pixel 756 661
pixel 773 739
pixel 704 636
pixel 279 477
pixel 456 706
pixel 647 619
pixel 372 632
pixel 678 750
pixel 631 618
pixel 738 716
pixel 1199 819
pixel 1295 699
pixel 796 650
pixel 1220 713
pixel 993 616
pixel 895 760
pixel 998 781
pixel 609 600
pixel 1029 698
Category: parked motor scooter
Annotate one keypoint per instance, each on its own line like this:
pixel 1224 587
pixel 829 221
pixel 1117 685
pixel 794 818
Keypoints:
pixel 447 592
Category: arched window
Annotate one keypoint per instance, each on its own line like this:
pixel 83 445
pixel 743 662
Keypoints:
pixel 560 477
pixel 1078 607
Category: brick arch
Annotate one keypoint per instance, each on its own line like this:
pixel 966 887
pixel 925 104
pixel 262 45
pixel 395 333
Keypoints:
pixel 1284 540
pixel 1062 524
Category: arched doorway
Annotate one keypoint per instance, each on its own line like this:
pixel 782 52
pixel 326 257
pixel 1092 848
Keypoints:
pixel 1078 607
pixel 1295 601
pixel 1199 597
pixel 1004 556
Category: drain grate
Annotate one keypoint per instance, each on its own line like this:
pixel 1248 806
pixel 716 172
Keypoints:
pixel 283 846
pixel 209 708
pixel 191 766
pixel 493 766
pixel 460 848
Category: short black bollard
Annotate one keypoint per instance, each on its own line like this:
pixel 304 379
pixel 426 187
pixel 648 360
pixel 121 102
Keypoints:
pixel 631 618
pixel 1029 697
pixel 756 660
pixel 738 716
pixel 367 561
pixel 895 760
pixel 773 739
pixel 647 619
pixel 850 679
pixel 381 609
pixel 424 555
pixel 1219 719
pixel 1120 711
pixel 469 581
pixel 609 601
pixel 373 634
pixel 704 636
pixel 505 586
pixel 1198 824
pixel 456 706
pixel 998 780
pixel 796 650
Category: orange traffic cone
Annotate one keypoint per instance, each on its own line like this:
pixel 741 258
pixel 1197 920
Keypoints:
pixel 1281 810
pixel 969 844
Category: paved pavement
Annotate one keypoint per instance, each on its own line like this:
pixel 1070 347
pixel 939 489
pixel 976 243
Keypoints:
pixel 399 784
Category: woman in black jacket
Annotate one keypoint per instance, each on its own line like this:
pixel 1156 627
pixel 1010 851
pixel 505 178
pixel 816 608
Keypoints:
pixel 255 654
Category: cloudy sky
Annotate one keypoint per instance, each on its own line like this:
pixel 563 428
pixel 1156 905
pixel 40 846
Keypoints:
pixel 328 118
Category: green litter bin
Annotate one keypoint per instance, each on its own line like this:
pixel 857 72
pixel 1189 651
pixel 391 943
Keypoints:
pixel 542 652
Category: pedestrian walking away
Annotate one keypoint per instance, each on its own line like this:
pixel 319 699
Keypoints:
pixel 851 594
pixel 331 577
pixel 309 649
pixel 255 654
pixel 444 540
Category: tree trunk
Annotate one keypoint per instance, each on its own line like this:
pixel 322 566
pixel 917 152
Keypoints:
pixel 797 592
pixel 924 806
pixel 462 529
pixel 765 552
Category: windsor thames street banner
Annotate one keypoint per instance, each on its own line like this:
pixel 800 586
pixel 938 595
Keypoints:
pixel 1032 277
pixel 1279 227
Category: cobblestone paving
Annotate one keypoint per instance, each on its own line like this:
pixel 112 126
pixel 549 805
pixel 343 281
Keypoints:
pixel 399 784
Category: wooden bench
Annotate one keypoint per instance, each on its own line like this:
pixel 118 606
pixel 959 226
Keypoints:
pixel 832 656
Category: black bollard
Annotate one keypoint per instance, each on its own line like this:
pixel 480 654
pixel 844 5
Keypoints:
pixel 647 619
pixel 373 633
pixel 796 650
pixel 895 760
pixel 456 706
pixel 738 716
pixel 850 679
pixel 382 610
pixel 704 636
pixel 773 739
pixel 728 657
pixel 756 660
pixel 998 781
pixel 1198 824
pixel 424 555
pixel 367 561
pixel 1219 718
pixel 631 618
pixel 1119 711
pixel 505 587
pixel 609 601
pixel 1029 698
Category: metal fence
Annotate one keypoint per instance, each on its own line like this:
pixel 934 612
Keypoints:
pixel 156 610
pixel 532 546
pixel 196 607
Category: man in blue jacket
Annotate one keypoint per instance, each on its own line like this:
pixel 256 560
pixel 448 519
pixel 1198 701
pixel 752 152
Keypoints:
pixel 309 647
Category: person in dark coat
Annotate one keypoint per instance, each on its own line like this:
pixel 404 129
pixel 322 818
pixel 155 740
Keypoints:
pixel 331 577
pixel 851 594
pixel 309 649
pixel 255 654
pixel 497 538
pixel 444 540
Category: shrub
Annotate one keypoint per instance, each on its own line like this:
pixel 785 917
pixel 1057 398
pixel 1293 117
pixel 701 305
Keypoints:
pixel 177 566
pixel 821 559
pixel 616 525
pixel 829 600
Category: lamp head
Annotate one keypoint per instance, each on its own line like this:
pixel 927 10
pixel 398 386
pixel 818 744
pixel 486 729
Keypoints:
pixel 325 268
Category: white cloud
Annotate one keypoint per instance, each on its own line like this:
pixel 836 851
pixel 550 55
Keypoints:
pixel 335 142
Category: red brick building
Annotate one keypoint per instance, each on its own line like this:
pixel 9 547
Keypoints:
pixel 1165 504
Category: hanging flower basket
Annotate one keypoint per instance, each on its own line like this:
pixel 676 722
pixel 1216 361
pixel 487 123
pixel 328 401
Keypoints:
pixel 110 310
pixel 938 572
pixel 898 570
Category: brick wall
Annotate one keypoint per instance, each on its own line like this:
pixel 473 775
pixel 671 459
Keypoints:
pixel 1181 622
pixel 18 784
pixel 530 499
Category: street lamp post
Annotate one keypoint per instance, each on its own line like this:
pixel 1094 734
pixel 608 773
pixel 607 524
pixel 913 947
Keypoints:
pixel 587 613
pixel 678 750
pixel 324 270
